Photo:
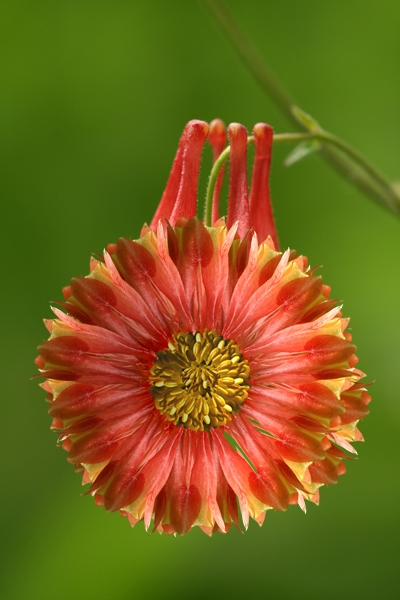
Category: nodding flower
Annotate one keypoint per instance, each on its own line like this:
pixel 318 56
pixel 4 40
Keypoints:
pixel 199 376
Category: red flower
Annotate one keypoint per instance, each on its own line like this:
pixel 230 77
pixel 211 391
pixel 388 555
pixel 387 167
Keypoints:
pixel 198 366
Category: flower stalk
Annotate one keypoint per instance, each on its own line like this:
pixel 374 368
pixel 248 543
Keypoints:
pixel 325 138
pixel 345 159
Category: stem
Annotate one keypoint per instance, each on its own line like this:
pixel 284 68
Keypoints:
pixel 213 180
pixel 251 58
pixel 392 201
pixel 322 136
pixel 278 137
pixel 339 154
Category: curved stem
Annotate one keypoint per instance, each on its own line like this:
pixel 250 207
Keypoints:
pixel 389 196
pixel 353 155
pixel 278 137
pixel 263 74
pixel 213 180
pixel 345 159
pixel 323 136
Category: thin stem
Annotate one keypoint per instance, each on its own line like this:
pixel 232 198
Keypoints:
pixel 278 137
pixel 251 57
pixel 371 171
pixel 338 153
pixel 213 180
pixel 352 155
pixel 322 136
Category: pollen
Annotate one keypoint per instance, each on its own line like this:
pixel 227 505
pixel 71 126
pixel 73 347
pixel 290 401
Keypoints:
pixel 200 381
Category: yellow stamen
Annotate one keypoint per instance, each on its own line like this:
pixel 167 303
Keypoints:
pixel 200 380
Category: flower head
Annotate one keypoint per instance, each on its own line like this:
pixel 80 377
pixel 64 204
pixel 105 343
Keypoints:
pixel 198 367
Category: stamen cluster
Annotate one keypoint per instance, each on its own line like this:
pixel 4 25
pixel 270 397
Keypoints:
pixel 200 380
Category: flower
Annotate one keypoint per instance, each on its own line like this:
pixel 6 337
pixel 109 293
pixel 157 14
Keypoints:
pixel 198 367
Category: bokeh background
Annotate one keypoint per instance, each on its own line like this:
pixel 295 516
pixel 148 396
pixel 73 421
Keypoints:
pixel 94 96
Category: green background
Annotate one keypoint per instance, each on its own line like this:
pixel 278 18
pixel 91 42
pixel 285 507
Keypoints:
pixel 94 96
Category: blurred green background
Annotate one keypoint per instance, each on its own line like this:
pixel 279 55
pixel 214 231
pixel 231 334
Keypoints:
pixel 94 96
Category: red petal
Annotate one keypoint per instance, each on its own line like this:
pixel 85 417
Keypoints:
pixel 124 489
pixel 238 201
pixel 261 214
pixel 157 471
pixel 355 405
pixel 40 362
pixel 232 505
pixel 217 139
pixel 170 194
pixel 59 375
pixel 299 293
pixel 136 260
pixel 78 427
pixel 292 442
pixel 127 481
pixel 72 401
pixel 173 246
pixel 159 507
pixel 329 350
pixel 317 399
pixel 197 244
pixel 78 400
pixel 268 488
pixel 266 483
pixel 93 294
pixel 185 507
pixel 242 255
pixel 318 310
pixel 66 291
pixel 236 471
pixel 75 311
pixel 204 478
pixel 324 471
pixel 194 137
pixel 269 269
pixel 64 351
pixel 94 448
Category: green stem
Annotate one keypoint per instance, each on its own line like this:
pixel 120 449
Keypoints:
pixel 369 169
pixel 289 137
pixel 251 58
pixel 322 136
pixel 338 153
pixel 213 180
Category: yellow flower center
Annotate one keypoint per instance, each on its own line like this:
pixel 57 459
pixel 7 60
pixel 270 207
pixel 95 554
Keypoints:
pixel 200 381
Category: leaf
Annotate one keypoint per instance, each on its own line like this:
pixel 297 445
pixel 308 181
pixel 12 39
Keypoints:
pixel 396 187
pixel 302 151
pixel 306 120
